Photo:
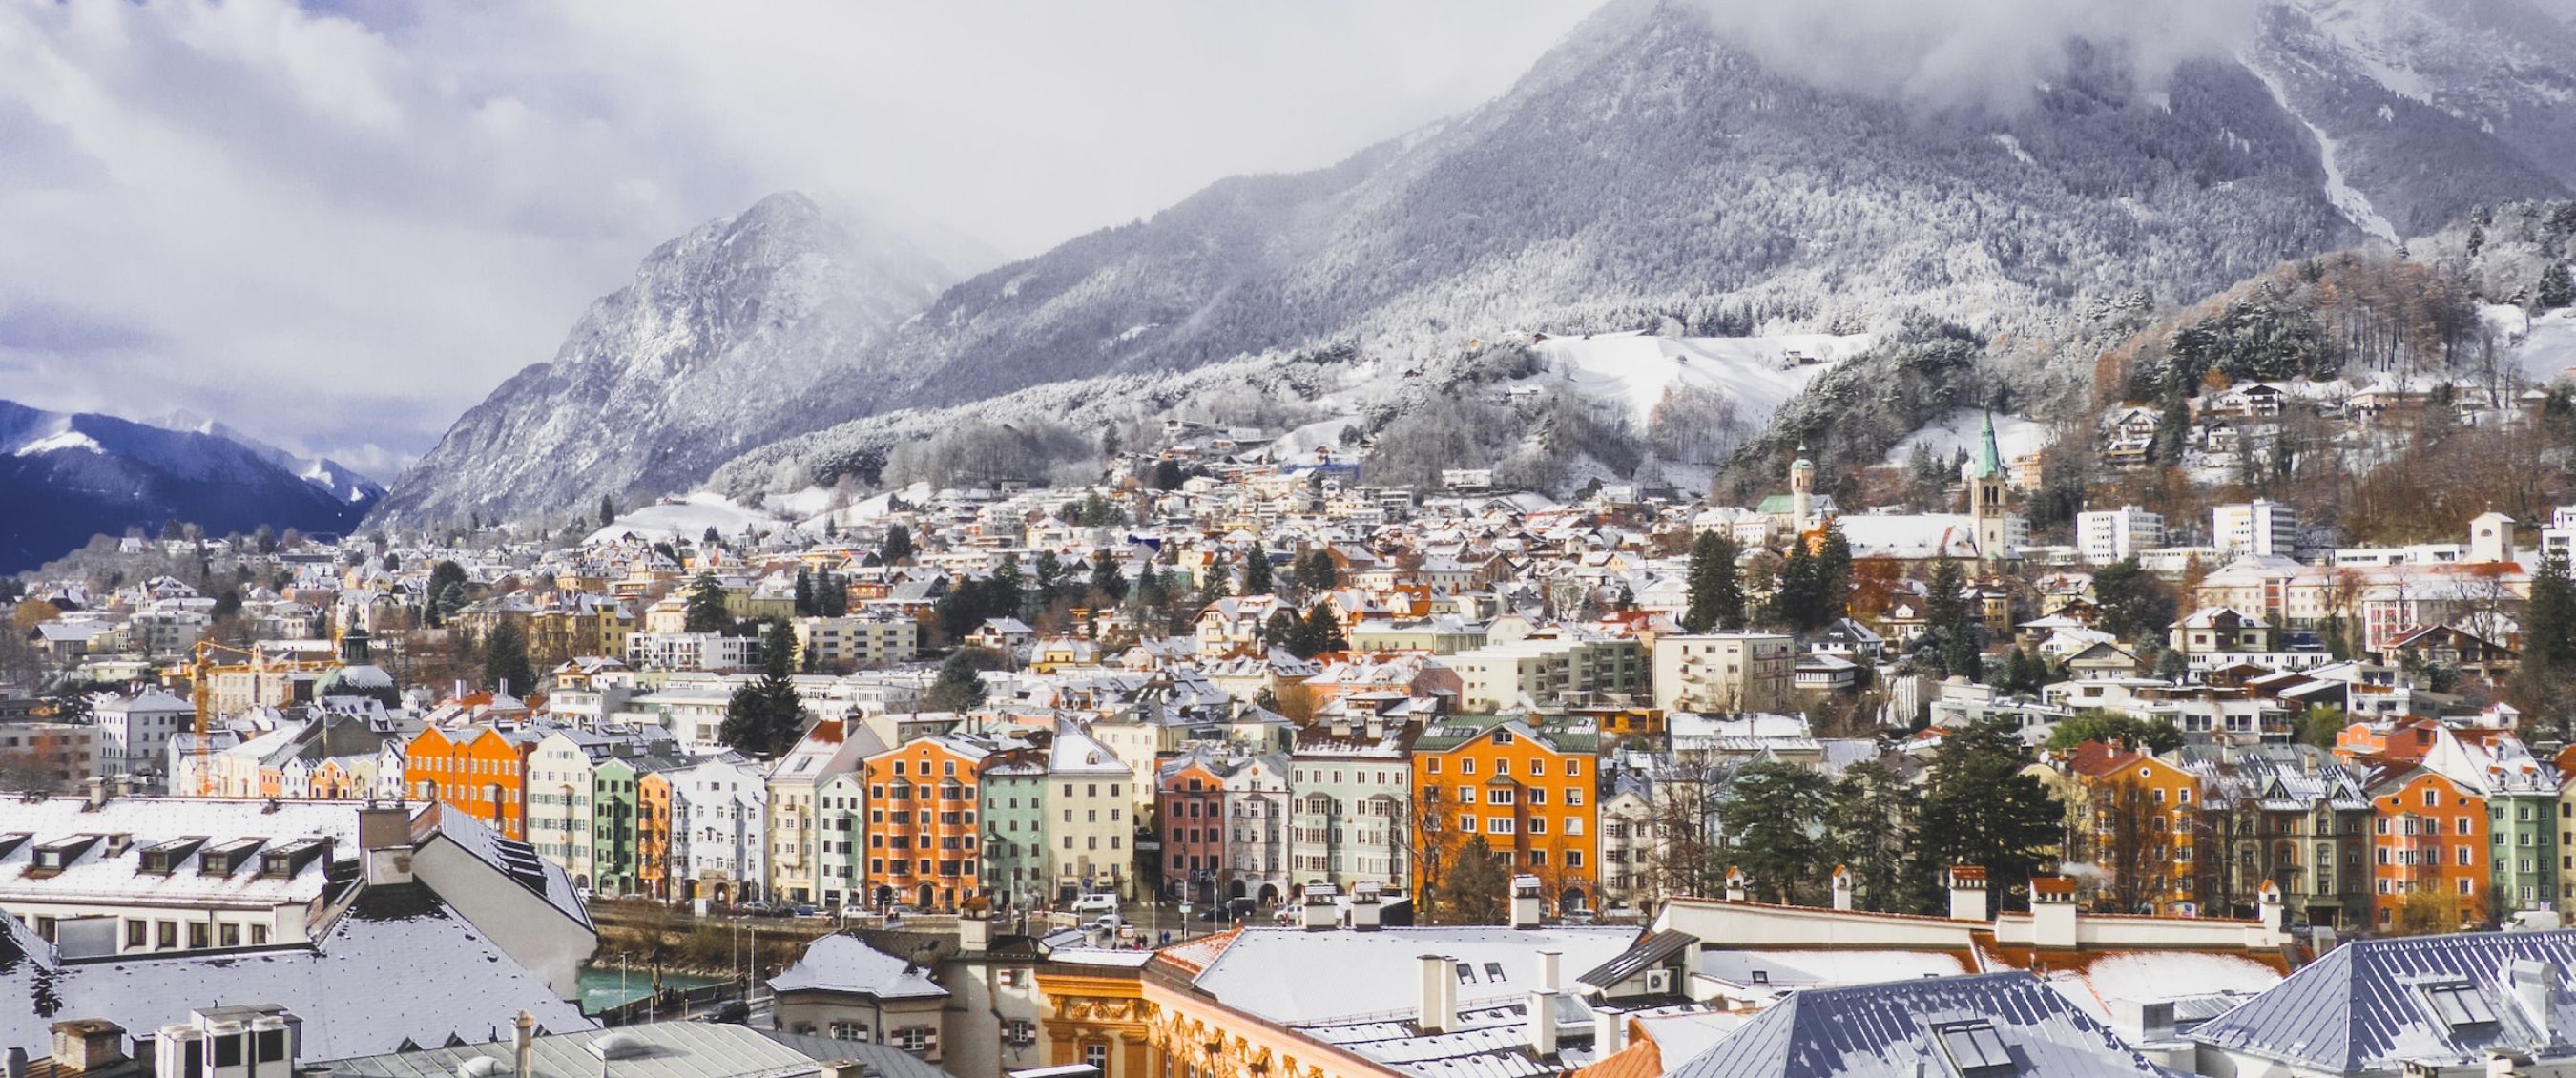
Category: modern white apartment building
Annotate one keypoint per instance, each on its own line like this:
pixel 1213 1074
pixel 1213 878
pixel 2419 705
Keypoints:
pixel 2111 535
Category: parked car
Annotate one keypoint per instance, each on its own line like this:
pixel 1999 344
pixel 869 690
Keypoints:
pixel 1106 922
pixel 807 911
pixel 1096 903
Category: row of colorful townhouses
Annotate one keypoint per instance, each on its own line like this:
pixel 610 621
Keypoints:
pixel 2410 823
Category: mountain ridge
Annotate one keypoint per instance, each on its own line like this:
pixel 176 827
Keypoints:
pixel 69 476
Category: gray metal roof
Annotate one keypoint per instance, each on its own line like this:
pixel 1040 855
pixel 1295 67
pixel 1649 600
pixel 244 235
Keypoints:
pixel 1647 953
pixel 399 966
pixel 651 1050
pixel 884 1059
pixel 2363 1006
pixel 1896 1030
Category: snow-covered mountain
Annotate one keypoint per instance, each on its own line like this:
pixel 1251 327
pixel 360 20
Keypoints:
pixel 2423 109
pixel 1651 172
pixel 67 477
pixel 339 480
pixel 693 362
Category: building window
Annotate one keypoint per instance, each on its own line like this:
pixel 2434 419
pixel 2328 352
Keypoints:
pixel 1096 1054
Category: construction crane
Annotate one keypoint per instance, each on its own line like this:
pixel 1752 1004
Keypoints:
pixel 201 676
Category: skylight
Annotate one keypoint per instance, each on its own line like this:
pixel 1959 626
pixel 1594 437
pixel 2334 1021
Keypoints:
pixel 2458 1003
pixel 1975 1048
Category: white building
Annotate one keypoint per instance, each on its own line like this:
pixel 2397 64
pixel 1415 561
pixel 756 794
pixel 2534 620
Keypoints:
pixel 719 830
pixel 133 734
pixel 2262 527
pixel 2113 535
pixel 1094 801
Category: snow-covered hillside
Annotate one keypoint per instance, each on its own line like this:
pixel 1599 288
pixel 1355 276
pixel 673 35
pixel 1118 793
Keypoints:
pixel 695 361
pixel 1957 433
pixel 1639 370
pixel 2546 351
pixel 687 517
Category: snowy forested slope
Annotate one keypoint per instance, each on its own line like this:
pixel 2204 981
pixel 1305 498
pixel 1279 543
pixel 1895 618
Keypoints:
pixel 1647 173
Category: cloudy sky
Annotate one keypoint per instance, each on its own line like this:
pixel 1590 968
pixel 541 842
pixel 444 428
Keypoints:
pixel 336 225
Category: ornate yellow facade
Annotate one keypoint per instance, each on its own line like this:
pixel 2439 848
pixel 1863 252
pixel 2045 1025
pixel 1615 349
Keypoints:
pixel 1146 1023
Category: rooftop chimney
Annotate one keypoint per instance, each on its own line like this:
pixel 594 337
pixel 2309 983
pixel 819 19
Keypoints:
pixel 1542 1021
pixel 87 1044
pixel 1735 882
pixel 1526 902
pixel 1967 893
pixel 1320 912
pixel 1365 914
pixel 1437 1011
pixel 1609 1031
pixel 2053 916
pixel 97 787
pixel 1548 961
pixel 1842 887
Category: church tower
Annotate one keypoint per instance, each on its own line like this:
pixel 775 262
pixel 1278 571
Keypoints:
pixel 1802 492
pixel 1986 497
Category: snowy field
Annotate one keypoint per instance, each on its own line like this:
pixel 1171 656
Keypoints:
pixel 687 518
pixel 2015 435
pixel 2548 349
pixel 1636 369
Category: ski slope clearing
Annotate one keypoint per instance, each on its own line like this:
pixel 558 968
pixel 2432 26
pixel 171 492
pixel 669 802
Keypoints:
pixel 1957 432
pixel 1637 369
pixel 2549 349
pixel 686 518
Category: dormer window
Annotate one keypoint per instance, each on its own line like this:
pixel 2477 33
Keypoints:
pixel 2458 1004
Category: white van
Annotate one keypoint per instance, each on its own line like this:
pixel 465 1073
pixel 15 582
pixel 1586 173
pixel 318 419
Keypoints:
pixel 1096 903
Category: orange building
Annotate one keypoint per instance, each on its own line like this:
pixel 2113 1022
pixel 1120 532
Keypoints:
pixel 1527 790
pixel 481 770
pixel 653 834
pixel 921 824
pixel 2139 813
pixel 2428 837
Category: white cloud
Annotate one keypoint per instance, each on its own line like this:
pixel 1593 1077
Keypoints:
pixel 1972 53
pixel 336 234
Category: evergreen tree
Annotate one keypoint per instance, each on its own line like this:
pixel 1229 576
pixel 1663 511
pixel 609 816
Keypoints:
pixel 505 660
pixel 1472 891
pixel 897 547
pixel 1167 474
pixel 831 595
pixel 706 609
pixel 2549 619
pixel 804 593
pixel 1716 590
pixel 1775 816
pixel 958 686
pixel 1833 576
pixel 2134 602
pixel 1106 577
pixel 1323 632
pixel 1285 630
pixel 1869 828
pixel 1795 602
pixel 766 717
pixel 2557 288
pixel 607 510
pixel 1256 571
pixel 2173 428
pixel 1979 808
pixel 443 577
pixel 1315 572
pixel 1950 632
